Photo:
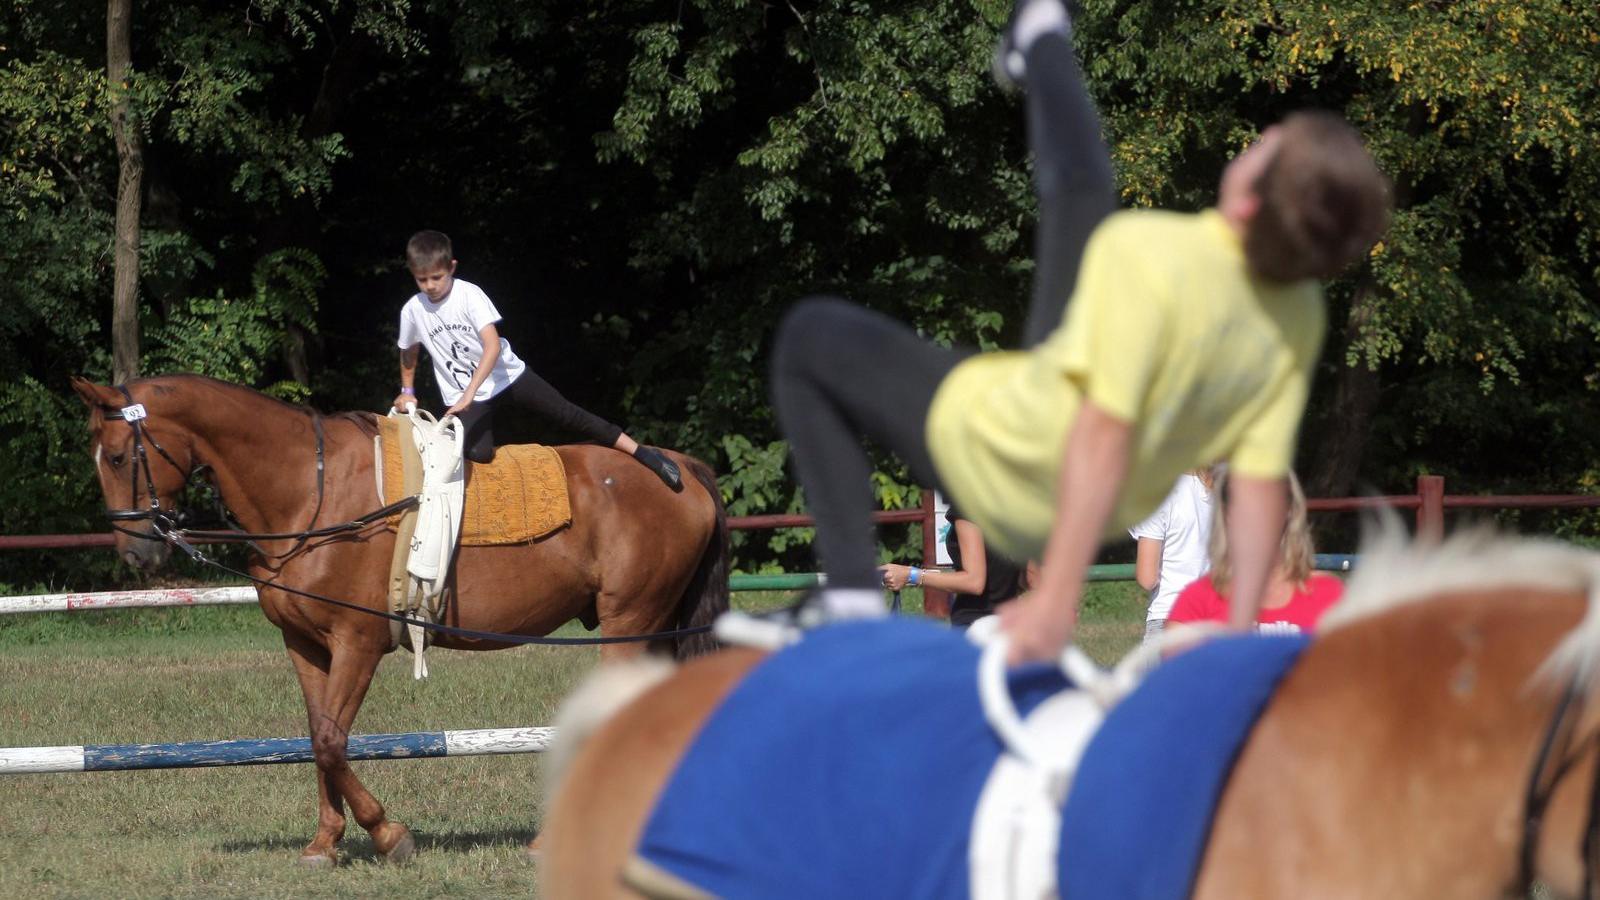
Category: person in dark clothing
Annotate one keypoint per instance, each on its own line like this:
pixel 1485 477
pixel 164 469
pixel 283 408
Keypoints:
pixel 978 581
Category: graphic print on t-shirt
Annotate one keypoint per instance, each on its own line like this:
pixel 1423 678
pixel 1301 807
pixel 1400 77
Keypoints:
pixel 460 365
pixel 451 331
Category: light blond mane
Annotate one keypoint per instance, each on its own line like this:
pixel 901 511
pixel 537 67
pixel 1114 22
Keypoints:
pixel 1395 571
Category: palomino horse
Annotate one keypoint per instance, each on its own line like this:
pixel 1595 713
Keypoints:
pixel 1438 737
pixel 636 559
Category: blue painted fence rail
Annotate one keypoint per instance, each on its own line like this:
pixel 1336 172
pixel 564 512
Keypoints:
pixel 269 751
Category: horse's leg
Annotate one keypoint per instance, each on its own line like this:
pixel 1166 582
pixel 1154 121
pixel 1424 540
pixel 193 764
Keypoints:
pixel 311 666
pixel 628 609
pixel 349 676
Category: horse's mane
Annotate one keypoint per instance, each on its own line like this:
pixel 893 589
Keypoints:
pixel 1395 571
pixel 161 384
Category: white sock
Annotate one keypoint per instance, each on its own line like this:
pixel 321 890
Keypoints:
pixel 1037 19
pixel 854 603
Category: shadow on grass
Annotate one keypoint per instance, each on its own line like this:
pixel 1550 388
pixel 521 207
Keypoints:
pixel 359 849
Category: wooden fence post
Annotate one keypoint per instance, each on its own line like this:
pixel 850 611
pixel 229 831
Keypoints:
pixel 934 602
pixel 1430 514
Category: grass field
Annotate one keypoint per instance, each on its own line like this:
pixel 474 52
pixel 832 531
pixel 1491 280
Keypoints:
pixel 204 674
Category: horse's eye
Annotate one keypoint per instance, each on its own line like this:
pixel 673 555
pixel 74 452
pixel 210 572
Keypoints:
pixel 117 459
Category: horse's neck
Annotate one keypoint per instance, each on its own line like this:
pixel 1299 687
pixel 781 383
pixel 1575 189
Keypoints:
pixel 263 459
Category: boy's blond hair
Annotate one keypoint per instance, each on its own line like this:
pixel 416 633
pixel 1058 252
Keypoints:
pixel 1323 201
pixel 428 251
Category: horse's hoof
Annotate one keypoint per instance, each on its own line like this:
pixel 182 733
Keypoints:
pixel 318 860
pixel 403 849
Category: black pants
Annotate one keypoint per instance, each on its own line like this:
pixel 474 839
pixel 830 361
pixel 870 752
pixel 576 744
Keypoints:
pixel 840 372
pixel 532 394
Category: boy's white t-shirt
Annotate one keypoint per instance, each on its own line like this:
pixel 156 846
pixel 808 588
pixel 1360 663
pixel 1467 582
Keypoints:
pixel 1183 526
pixel 449 329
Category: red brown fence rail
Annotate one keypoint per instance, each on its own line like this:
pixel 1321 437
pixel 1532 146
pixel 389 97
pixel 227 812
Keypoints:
pixel 1430 503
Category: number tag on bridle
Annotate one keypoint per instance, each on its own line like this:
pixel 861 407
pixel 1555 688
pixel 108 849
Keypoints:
pixel 134 413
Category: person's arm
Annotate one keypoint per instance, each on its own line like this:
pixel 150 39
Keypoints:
pixel 969 579
pixel 491 354
pixel 1256 511
pixel 1094 465
pixel 408 378
pixel 1147 564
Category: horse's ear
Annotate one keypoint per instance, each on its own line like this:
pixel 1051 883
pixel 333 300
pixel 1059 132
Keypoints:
pixel 95 395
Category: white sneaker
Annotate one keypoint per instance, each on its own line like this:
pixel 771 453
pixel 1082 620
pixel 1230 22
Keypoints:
pixel 778 628
pixel 771 630
pixel 1030 19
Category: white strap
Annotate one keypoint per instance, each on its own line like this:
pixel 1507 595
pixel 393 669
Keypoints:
pixel 419 646
pixel 1001 712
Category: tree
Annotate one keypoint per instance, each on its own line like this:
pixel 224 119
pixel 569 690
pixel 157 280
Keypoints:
pixel 130 164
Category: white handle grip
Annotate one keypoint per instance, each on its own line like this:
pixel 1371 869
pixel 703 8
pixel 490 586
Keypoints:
pixel 1001 713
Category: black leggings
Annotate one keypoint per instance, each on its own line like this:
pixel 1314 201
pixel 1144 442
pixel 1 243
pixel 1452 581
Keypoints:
pixel 532 394
pixel 840 372
pixel 1071 173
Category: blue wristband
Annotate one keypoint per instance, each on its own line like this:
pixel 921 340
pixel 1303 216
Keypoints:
pixel 914 576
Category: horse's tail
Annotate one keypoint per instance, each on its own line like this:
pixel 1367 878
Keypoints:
pixel 707 594
pixel 602 695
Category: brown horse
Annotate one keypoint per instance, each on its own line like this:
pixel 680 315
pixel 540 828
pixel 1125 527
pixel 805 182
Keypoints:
pixel 636 559
pixel 1399 758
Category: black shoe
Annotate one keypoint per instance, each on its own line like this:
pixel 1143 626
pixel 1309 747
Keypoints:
pixel 1010 67
pixel 664 468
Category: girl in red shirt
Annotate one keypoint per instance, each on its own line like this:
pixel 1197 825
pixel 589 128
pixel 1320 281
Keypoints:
pixel 1295 597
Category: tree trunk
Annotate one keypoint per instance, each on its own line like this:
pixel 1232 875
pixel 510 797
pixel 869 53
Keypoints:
pixel 1348 421
pixel 130 177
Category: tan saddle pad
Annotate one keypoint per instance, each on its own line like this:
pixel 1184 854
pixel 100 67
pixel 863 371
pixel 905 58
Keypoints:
pixel 520 496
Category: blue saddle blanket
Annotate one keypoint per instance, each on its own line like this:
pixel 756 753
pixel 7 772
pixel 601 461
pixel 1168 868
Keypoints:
pixel 1136 822
pixel 850 765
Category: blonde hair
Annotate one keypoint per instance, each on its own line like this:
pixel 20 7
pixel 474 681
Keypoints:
pixel 1296 556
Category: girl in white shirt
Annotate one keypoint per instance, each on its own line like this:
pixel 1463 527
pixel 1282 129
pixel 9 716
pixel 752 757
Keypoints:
pixel 1172 545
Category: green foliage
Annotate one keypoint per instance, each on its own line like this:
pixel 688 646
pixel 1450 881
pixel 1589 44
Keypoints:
pixel 237 339
pixel 753 482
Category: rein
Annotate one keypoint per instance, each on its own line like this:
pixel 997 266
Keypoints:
pixel 1543 780
pixel 165 527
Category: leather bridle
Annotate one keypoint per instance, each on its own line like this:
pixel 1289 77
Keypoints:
pixel 1559 752
pixel 165 525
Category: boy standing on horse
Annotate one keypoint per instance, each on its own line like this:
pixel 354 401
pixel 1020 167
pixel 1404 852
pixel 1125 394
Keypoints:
pixel 475 367
pixel 1189 339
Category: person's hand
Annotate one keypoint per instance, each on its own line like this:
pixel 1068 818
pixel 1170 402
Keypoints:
pixel 460 406
pixel 894 575
pixel 401 401
pixel 1038 627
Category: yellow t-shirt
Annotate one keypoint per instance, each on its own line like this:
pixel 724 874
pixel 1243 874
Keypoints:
pixel 1166 330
